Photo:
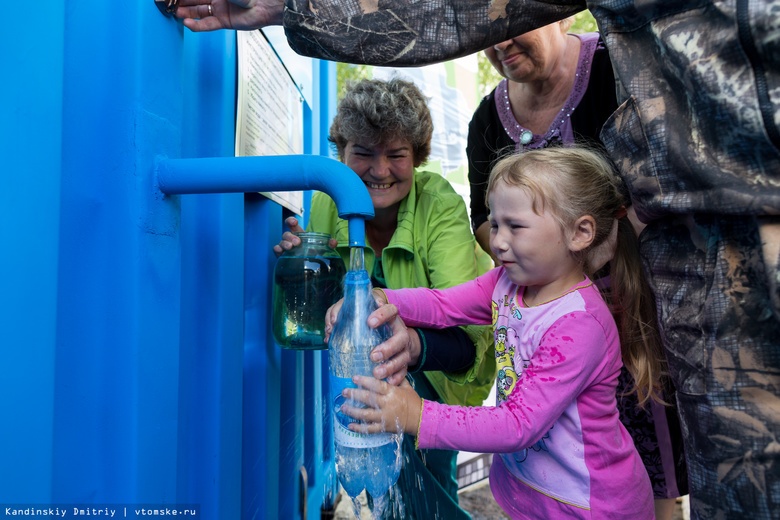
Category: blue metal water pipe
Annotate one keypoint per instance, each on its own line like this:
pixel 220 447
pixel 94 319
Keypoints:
pixel 273 173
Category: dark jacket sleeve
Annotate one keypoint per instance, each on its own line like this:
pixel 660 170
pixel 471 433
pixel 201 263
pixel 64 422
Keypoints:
pixel 409 33
pixel 599 101
pixel 447 350
pixel 487 142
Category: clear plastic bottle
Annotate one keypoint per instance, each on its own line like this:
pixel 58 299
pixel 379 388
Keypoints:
pixel 307 280
pixel 363 461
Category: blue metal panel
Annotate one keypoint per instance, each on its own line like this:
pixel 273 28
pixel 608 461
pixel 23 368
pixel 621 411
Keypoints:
pixel 136 354
pixel 30 147
pixel 117 358
pixel 212 291
pixel 263 386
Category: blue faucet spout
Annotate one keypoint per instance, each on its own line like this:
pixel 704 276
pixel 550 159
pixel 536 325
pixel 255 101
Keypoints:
pixel 273 173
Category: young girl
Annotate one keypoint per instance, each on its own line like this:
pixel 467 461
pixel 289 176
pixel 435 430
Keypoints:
pixel 563 452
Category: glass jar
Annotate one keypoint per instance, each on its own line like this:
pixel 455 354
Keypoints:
pixel 307 281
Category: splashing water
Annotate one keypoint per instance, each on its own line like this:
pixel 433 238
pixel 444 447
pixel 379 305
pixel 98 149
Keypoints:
pixel 356 259
pixel 357 505
pixel 379 506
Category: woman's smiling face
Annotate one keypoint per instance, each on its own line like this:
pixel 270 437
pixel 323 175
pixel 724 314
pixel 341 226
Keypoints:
pixel 386 169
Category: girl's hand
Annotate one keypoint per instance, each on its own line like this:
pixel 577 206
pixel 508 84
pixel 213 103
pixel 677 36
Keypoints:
pixel 393 355
pixel 394 409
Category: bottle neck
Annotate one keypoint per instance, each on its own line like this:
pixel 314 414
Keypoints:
pixel 357 261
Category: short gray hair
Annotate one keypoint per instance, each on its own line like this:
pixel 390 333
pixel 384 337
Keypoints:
pixel 374 112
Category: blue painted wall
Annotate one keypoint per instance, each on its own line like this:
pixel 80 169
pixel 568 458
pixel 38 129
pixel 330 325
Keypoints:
pixel 136 360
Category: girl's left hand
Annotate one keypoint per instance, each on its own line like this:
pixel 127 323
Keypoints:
pixel 392 356
pixel 394 409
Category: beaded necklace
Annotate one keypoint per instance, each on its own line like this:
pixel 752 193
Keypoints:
pixel 560 131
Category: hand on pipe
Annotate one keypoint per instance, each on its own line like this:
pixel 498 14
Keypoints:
pixel 242 15
pixel 395 409
pixel 394 355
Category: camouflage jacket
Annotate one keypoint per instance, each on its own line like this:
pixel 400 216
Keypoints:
pixel 698 81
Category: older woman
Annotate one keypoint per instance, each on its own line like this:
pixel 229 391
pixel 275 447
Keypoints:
pixel 419 237
pixel 558 88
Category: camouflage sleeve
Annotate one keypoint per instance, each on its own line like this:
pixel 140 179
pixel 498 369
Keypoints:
pixel 412 32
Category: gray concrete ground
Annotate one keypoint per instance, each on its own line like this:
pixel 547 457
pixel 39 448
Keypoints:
pixel 477 500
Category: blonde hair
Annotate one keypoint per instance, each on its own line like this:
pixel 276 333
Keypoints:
pixel 575 181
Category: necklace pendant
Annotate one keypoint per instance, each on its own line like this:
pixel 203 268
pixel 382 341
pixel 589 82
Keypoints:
pixel 526 136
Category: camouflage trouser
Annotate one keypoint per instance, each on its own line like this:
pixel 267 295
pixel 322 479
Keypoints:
pixel 718 310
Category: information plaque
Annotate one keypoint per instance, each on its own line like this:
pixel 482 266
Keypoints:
pixel 269 112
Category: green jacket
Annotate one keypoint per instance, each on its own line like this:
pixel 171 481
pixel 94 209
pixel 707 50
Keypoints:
pixel 432 247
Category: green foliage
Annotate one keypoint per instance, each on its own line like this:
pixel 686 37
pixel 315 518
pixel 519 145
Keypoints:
pixel 488 78
pixel 346 72
pixel 583 23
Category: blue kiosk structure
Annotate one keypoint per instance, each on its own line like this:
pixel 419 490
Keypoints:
pixel 137 365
